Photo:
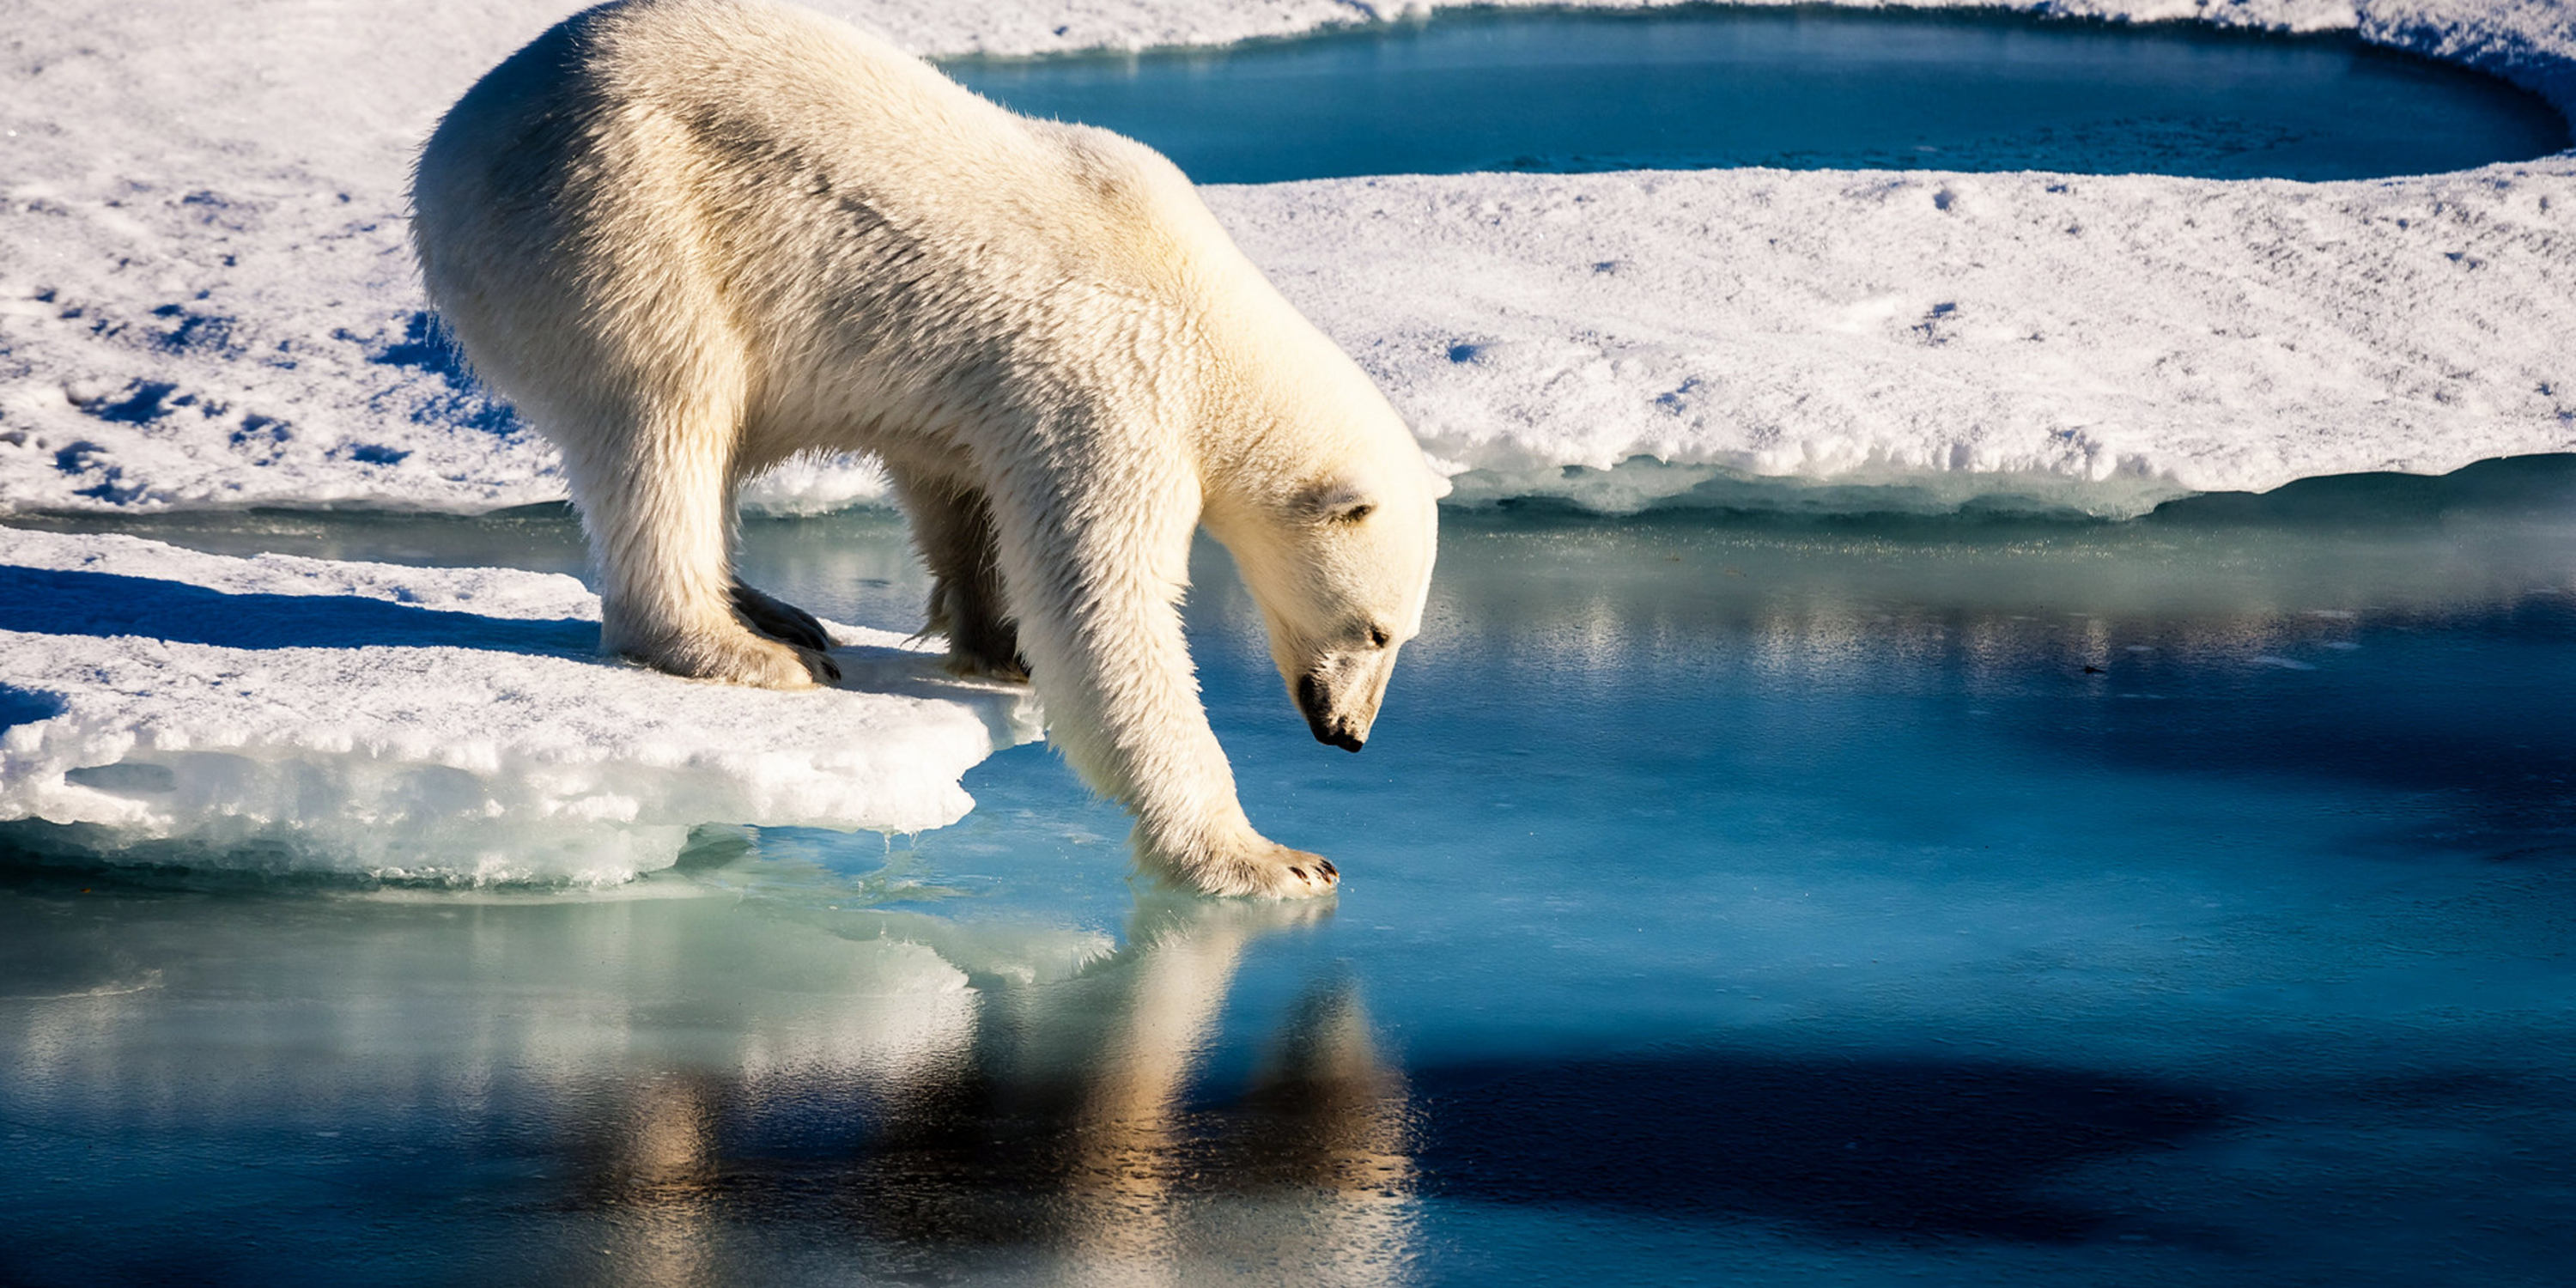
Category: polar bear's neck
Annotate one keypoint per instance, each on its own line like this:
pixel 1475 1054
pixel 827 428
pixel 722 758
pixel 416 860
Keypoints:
pixel 1280 407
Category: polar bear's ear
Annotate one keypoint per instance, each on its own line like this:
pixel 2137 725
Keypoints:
pixel 1335 501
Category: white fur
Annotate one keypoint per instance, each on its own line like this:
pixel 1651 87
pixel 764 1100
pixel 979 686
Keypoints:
pixel 692 238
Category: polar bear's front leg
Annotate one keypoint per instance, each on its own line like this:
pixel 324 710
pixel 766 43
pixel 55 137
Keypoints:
pixel 1097 592
pixel 953 527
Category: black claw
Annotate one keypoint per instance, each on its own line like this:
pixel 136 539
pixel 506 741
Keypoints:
pixel 1301 872
pixel 780 620
pixel 1330 872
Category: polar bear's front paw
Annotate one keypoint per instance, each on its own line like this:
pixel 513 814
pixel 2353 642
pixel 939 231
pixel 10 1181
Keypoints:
pixel 986 651
pixel 1296 874
pixel 978 666
pixel 1253 868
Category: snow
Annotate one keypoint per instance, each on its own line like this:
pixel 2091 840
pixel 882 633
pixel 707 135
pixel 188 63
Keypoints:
pixel 205 298
pixel 1750 321
pixel 449 725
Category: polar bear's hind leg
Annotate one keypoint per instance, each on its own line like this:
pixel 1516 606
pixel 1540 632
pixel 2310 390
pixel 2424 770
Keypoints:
pixel 657 501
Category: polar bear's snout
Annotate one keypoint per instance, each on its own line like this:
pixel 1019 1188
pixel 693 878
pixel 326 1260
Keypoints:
pixel 1331 727
pixel 1340 696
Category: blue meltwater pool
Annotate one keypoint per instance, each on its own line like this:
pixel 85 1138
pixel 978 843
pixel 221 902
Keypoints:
pixel 1801 88
pixel 1778 901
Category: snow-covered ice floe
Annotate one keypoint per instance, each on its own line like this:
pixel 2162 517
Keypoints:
pixel 448 725
pixel 205 298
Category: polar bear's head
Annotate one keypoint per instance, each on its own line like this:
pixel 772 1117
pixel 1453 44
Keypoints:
pixel 1316 486
pixel 1341 566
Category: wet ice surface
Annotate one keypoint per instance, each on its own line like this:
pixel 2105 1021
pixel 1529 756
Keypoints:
pixel 1771 900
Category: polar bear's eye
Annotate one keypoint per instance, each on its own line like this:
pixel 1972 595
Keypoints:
pixel 1378 637
pixel 1356 513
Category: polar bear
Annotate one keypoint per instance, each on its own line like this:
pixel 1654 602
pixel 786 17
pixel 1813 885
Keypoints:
pixel 693 238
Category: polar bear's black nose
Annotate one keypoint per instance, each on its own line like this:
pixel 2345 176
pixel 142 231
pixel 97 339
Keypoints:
pixel 1316 704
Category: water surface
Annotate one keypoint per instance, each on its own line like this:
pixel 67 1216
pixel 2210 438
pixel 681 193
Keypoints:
pixel 1797 88
pixel 1781 900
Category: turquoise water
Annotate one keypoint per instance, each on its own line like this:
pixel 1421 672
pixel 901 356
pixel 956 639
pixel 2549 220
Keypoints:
pixel 1784 901
pixel 1797 88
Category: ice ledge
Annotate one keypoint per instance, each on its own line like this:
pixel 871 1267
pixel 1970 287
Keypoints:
pixel 438 724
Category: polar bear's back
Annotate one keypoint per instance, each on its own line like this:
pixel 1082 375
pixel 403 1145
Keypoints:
pixel 674 193
pixel 721 98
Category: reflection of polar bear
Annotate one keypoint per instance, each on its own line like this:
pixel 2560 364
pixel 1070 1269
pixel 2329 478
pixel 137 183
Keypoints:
pixel 692 238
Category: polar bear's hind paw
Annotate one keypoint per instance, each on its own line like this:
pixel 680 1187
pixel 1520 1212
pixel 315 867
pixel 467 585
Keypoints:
pixel 819 666
pixel 745 659
pixel 780 620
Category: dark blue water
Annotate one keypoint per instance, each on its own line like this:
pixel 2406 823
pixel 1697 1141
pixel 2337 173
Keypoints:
pixel 1797 88
pixel 1783 901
